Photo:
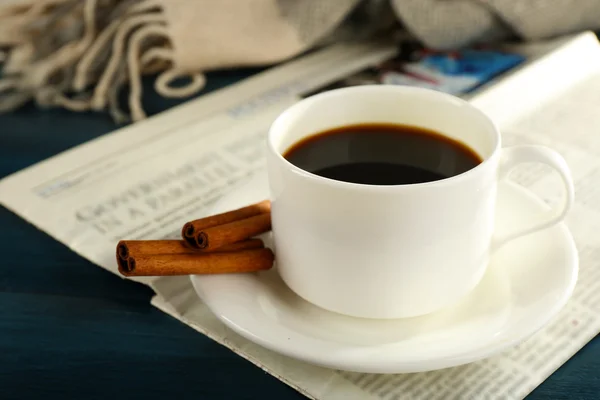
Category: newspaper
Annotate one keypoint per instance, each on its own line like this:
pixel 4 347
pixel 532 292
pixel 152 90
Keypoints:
pixel 144 181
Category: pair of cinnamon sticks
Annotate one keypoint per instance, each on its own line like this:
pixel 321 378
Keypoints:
pixel 218 230
pixel 215 244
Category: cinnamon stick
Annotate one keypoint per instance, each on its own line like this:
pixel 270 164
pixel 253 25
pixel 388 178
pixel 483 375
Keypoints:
pixel 127 247
pixel 191 264
pixel 226 234
pixel 145 247
pixel 190 230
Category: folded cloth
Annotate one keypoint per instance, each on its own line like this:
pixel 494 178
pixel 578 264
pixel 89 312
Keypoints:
pixel 78 54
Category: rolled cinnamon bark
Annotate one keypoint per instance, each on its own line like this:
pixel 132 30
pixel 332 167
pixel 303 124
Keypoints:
pixel 190 230
pixel 222 235
pixel 121 262
pixel 191 264
pixel 125 248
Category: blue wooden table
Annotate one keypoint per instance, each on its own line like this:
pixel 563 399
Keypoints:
pixel 71 330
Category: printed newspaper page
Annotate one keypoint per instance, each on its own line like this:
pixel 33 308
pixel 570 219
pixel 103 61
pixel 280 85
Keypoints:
pixel 146 180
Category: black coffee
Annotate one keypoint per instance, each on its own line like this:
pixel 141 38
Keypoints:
pixel 382 154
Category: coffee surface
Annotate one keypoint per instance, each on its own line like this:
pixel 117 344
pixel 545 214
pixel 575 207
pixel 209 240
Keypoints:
pixel 382 154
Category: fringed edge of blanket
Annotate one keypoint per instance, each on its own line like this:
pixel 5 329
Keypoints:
pixel 78 55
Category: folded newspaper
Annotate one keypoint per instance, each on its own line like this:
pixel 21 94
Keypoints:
pixel 145 180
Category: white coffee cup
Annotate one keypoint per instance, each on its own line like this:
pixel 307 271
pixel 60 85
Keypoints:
pixel 392 251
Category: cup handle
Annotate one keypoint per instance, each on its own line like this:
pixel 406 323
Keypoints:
pixel 513 156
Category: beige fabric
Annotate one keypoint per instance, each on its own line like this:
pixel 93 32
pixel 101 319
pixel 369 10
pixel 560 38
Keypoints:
pixel 537 19
pixel 208 34
pixel 78 54
pixel 448 24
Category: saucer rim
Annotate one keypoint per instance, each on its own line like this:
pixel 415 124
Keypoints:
pixel 361 365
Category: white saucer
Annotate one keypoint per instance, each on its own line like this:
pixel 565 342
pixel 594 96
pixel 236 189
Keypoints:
pixel 527 283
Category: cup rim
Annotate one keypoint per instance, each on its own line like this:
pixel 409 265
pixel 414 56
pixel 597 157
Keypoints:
pixel 385 188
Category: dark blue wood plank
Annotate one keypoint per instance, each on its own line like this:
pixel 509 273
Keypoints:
pixel 71 330
pixel 82 348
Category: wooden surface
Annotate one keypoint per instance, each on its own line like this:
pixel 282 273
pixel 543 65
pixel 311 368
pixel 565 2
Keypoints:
pixel 71 330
